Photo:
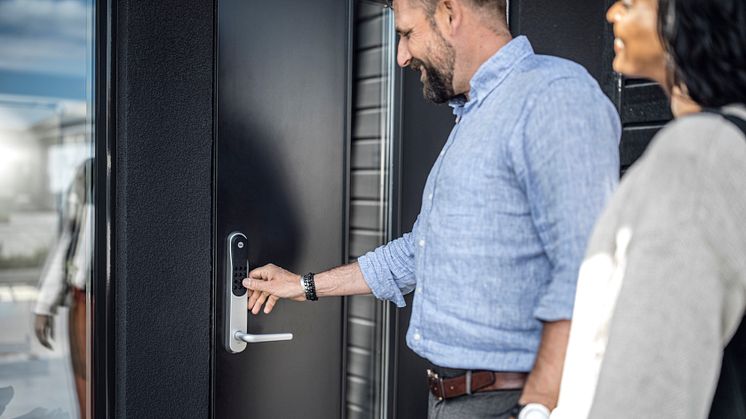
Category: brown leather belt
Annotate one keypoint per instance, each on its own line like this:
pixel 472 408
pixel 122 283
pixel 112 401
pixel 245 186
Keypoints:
pixel 474 382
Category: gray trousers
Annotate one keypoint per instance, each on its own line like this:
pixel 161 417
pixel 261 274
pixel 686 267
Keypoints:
pixel 491 404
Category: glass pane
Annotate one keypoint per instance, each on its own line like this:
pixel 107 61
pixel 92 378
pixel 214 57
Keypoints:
pixel 46 211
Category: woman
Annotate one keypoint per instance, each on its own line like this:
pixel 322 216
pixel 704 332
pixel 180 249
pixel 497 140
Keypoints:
pixel 64 280
pixel 663 285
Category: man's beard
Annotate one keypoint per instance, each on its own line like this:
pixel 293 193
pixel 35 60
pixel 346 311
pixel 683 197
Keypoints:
pixel 438 84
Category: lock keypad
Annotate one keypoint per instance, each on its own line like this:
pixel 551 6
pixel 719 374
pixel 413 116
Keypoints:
pixel 239 273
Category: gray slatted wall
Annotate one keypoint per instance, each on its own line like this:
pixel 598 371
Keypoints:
pixel 644 109
pixel 367 230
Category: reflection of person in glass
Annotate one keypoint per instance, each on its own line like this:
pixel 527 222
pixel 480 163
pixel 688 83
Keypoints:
pixel 64 278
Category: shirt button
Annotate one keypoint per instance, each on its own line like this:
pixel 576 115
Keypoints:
pixel 417 336
pixel 442 152
pixel 422 243
pixel 430 197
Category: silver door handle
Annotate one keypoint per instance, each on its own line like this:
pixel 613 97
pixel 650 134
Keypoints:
pixel 268 337
pixel 236 298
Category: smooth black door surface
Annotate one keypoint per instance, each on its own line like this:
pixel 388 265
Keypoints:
pixel 280 173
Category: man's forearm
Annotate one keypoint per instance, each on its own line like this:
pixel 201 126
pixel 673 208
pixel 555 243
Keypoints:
pixel 543 383
pixel 343 280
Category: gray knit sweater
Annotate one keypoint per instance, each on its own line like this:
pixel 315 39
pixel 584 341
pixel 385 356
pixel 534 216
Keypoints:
pixel 680 216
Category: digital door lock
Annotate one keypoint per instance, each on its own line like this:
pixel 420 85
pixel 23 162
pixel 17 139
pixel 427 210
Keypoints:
pixel 236 298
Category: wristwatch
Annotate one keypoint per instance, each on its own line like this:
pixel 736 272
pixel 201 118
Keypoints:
pixel 530 411
pixel 309 286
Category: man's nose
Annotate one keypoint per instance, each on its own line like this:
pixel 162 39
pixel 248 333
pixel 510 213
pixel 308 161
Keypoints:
pixel 403 57
pixel 614 12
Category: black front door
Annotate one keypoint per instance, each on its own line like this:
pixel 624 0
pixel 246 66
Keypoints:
pixel 280 172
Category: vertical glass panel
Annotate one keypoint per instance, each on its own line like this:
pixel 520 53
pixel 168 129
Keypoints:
pixel 46 211
pixel 370 168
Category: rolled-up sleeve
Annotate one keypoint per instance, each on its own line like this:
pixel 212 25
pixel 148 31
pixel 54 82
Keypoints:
pixel 569 167
pixel 389 269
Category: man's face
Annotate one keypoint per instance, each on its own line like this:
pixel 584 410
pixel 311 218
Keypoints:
pixel 423 48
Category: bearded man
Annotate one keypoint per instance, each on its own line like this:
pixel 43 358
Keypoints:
pixel 507 208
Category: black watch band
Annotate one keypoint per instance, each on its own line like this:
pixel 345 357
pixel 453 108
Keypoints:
pixel 531 410
pixel 516 410
pixel 309 286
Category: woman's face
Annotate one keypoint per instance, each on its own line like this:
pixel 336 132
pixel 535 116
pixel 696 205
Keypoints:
pixel 638 48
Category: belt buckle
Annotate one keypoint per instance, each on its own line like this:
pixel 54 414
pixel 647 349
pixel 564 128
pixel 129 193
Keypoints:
pixel 436 384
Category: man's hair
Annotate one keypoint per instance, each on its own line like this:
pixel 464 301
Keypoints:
pixel 706 40
pixel 495 8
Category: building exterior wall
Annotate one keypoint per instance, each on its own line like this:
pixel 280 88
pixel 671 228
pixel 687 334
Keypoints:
pixel 162 221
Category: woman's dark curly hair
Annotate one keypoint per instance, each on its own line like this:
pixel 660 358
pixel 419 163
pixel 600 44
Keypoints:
pixel 706 40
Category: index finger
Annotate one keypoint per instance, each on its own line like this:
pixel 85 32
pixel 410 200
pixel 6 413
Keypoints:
pixel 261 272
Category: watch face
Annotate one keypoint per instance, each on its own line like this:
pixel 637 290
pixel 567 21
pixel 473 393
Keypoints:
pixel 535 415
pixel 534 411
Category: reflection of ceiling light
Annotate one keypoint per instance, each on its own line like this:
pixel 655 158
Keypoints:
pixel 24 293
pixel 8 156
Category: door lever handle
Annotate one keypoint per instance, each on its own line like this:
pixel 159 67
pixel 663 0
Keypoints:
pixel 268 337
pixel 236 298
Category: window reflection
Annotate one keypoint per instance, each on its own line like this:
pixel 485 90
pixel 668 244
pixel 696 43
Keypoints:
pixel 46 214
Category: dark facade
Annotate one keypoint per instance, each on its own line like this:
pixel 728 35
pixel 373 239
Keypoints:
pixel 165 122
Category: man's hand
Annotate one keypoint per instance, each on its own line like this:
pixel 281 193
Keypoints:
pixel 44 329
pixel 270 283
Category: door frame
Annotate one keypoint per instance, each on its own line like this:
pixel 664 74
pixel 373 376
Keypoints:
pixel 152 337
pixel 101 316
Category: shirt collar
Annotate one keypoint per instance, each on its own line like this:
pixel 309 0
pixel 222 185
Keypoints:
pixel 492 72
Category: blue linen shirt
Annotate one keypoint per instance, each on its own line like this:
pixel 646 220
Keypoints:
pixel 506 212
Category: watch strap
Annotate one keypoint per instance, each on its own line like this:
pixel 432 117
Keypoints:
pixel 309 286
pixel 516 410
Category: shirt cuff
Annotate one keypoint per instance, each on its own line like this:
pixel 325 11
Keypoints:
pixel 45 309
pixel 557 303
pixel 380 280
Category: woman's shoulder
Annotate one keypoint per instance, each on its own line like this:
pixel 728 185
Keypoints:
pixel 696 140
pixel 688 157
pixel 695 131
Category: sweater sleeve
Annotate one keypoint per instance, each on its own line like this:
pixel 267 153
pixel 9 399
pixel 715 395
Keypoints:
pixel 52 284
pixel 665 338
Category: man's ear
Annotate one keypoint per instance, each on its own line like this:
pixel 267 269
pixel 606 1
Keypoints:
pixel 450 14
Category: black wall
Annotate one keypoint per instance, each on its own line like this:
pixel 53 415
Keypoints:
pixel 163 54
pixel 576 30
